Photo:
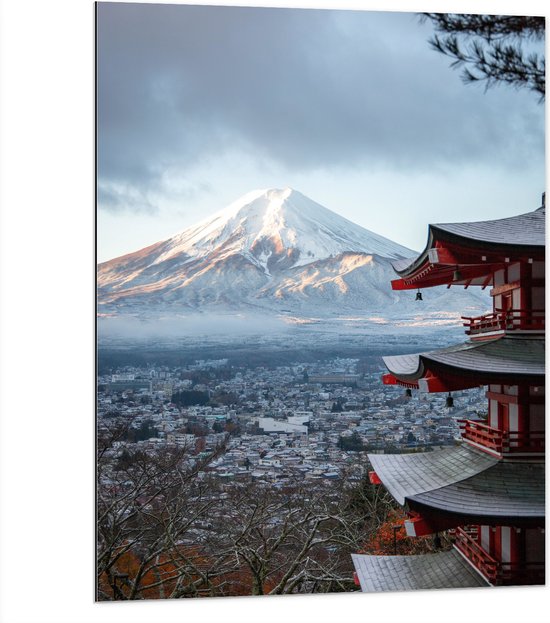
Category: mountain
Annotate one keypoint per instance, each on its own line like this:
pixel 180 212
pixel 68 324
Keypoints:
pixel 271 251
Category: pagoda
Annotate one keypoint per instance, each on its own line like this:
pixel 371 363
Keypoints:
pixel 487 492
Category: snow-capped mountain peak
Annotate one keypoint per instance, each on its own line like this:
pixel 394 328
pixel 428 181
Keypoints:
pixel 272 249
pixel 279 221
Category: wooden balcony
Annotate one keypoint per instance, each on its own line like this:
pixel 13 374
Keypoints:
pixel 500 441
pixel 498 573
pixel 509 320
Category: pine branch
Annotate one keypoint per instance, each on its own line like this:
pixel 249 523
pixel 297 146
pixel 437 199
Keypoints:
pixel 489 49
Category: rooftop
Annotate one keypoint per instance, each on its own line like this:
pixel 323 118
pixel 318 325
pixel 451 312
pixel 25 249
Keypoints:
pixel 522 230
pixel 427 571
pixel 476 248
pixel 503 490
pixel 463 481
pixel 505 355
pixel 407 475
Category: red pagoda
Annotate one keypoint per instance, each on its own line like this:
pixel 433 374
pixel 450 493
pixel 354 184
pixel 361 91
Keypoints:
pixel 488 491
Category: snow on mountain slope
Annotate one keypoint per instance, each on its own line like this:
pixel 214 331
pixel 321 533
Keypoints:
pixel 288 220
pixel 269 250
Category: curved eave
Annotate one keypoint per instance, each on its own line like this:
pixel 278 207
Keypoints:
pixel 472 363
pixel 406 475
pixel 409 266
pixel 472 248
pixel 406 368
pixel 503 357
pixel 420 572
pixel 465 483
pixel 432 274
pixel 502 491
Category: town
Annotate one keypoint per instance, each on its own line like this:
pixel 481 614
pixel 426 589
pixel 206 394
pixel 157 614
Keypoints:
pixel 278 423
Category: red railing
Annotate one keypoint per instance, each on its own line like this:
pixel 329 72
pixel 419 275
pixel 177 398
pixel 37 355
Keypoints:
pixel 502 441
pixel 509 320
pixel 467 541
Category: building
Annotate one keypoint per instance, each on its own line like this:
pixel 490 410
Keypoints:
pixel 488 492
pixel 134 385
pixel 334 379
pixel 271 425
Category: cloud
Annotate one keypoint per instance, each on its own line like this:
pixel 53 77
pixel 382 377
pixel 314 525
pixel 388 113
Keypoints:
pixel 117 197
pixel 146 196
pixel 180 87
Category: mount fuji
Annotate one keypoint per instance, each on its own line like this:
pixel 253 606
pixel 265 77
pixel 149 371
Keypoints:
pixel 270 252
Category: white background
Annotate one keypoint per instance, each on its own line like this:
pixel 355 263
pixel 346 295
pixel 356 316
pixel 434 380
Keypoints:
pixel 47 347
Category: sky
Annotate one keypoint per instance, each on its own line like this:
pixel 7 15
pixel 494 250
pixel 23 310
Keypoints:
pixel 198 105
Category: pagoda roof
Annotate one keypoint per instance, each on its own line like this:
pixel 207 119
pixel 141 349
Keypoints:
pixel 463 481
pixel 474 249
pixel 421 572
pixel 503 490
pixel 406 475
pixel 500 357
pixel 522 230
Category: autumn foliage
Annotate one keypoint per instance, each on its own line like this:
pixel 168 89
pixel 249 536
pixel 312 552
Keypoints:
pixel 387 542
pixel 160 579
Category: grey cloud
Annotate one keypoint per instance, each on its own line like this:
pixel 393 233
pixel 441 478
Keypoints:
pixel 179 85
pixel 120 196
pixel 114 197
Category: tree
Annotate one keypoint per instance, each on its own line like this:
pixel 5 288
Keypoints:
pixel 150 508
pixel 145 431
pixel 391 538
pixel 191 397
pixel 224 398
pixel 232 428
pixel 489 48
pixel 299 538
pixel 167 530
pixel 351 443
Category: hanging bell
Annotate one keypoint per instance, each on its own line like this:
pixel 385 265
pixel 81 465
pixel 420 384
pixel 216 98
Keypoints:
pixel 449 401
pixel 457 275
pixel 418 295
pixel 408 392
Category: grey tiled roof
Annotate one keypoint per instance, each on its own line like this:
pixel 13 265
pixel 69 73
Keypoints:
pixel 524 229
pixel 403 365
pixel 406 475
pixel 405 573
pixel 503 490
pixel 502 355
pixel 510 355
pixel 401 266
pixel 463 480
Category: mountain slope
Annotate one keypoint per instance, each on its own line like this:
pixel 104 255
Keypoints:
pixel 271 250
